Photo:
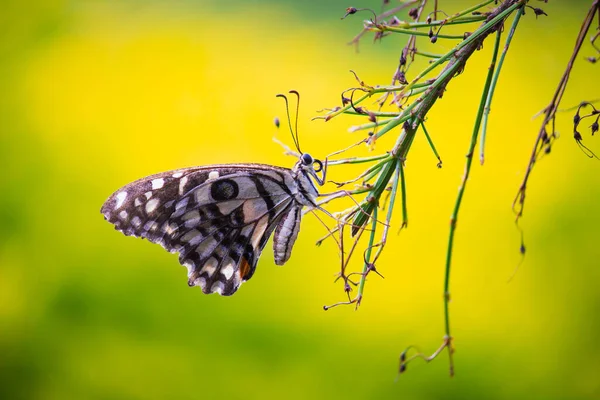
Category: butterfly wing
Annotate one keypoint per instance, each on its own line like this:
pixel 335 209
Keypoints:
pixel 218 218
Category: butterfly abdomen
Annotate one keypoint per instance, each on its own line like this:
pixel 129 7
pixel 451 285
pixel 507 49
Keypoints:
pixel 286 234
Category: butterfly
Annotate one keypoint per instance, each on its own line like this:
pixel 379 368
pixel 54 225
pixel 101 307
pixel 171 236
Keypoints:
pixel 220 217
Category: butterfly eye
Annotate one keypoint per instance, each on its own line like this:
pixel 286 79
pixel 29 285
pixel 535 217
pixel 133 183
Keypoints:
pixel 307 159
pixel 319 164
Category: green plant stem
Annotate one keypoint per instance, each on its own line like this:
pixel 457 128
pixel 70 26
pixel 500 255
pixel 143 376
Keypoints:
pixel 445 22
pixel 428 55
pixel 398 175
pixel 363 278
pixel 431 144
pixel 385 28
pixel 461 192
pixel 404 205
pixel 495 81
pixel 358 160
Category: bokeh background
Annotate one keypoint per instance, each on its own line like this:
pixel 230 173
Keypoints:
pixel 96 94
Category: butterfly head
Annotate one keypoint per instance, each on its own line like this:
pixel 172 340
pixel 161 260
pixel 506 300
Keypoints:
pixel 311 167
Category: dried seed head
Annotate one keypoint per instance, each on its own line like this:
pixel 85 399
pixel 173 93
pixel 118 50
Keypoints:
pixel 276 122
pixel 413 13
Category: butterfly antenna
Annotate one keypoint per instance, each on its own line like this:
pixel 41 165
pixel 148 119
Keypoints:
pixel 296 125
pixel 287 110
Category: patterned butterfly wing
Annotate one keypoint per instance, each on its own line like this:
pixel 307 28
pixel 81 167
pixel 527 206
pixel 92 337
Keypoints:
pixel 217 218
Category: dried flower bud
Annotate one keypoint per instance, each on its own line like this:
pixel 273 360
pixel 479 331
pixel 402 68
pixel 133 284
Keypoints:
pixel 350 11
pixel 403 356
pixel 576 118
pixel 413 13
pixel 401 78
pixel 538 12
pixel 594 127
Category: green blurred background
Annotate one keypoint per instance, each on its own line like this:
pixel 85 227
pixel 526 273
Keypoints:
pixel 96 94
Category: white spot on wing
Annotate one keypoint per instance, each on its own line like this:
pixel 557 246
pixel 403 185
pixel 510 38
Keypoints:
pixel 213 175
pixel 227 271
pixel 158 183
pixel 210 266
pixel 177 175
pixel 137 202
pixel 217 287
pixel 200 282
pixel 190 268
pixel 182 184
pixel 151 205
pixel 121 196
pixel 123 214
pixel 136 221
pixel 148 195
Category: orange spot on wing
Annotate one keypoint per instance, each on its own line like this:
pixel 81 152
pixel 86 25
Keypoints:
pixel 244 268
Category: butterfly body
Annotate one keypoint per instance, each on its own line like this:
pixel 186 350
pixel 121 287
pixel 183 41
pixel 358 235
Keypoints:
pixel 218 218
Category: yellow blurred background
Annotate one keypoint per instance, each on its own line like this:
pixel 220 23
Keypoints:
pixel 96 94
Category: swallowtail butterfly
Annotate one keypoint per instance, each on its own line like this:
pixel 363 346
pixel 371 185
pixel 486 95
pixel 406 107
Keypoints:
pixel 220 217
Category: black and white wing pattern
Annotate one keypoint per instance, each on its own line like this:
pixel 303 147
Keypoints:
pixel 218 218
